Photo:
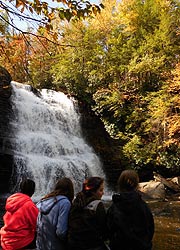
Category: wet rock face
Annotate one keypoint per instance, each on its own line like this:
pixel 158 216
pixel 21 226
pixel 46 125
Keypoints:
pixel 105 147
pixel 6 157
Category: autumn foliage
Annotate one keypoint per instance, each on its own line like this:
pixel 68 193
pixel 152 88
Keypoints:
pixel 123 63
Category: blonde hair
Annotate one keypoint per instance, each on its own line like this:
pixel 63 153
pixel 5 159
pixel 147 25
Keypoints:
pixel 128 181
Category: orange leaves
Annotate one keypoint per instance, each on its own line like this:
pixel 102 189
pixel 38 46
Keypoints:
pixel 64 9
pixel 172 109
pixel 20 3
pixel 14 57
pixel 61 1
pixel 31 9
pixel 95 9
pixel 49 27
pixel 173 131
pixel 74 12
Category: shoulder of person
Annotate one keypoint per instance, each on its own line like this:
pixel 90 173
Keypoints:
pixel 93 205
pixel 62 201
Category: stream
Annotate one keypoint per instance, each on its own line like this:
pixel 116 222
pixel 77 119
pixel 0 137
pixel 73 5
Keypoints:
pixel 167 225
pixel 166 218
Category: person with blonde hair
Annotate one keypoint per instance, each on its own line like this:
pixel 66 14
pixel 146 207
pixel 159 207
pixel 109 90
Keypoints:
pixel 52 222
pixel 129 219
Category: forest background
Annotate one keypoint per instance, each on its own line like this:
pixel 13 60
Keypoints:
pixel 121 63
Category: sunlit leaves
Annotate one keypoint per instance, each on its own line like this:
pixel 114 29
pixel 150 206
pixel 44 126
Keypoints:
pixel 14 57
pixel 66 9
pixel 120 62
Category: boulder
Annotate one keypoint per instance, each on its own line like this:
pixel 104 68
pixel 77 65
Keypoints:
pixel 171 184
pixel 152 190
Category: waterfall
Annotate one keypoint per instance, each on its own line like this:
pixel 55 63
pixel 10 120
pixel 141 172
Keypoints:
pixel 47 142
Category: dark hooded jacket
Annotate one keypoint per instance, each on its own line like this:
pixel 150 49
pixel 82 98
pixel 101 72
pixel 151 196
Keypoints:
pixel 87 226
pixel 130 222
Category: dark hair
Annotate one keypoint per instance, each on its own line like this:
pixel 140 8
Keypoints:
pixel 128 181
pixel 27 186
pixel 92 184
pixel 64 186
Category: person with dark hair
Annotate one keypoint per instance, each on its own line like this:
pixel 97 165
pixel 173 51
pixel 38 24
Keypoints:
pixel 27 186
pixel 129 219
pixel 19 228
pixel 52 222
pixel 87 227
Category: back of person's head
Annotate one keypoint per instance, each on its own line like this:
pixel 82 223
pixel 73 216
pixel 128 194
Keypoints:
pixel 128 181
pixel 63 186
pixel 92 184
pixel 27 186
pixel 88 192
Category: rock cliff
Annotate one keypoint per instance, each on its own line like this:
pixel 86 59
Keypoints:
pixel 105 147
pixel 6 157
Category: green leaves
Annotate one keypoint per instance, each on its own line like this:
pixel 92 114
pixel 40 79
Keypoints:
pixel 120 63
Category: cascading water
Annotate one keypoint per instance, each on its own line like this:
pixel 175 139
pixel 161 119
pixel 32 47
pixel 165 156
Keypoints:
pixel 48 143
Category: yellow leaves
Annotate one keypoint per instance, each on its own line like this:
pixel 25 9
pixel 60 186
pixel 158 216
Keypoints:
pixel 74 12
pixel 104 20
pixel 128 15
pixel 174 125
pixel 55 36
pixel 175 83
pixel 51 16
pixel 94 9
pixel 173 117
pixel 164 110
pixel 173 130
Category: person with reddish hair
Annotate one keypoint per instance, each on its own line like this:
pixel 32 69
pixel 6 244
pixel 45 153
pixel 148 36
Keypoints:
pixel 19 228
pixel 87 227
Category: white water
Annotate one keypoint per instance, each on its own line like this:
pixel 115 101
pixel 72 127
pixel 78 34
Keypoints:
pixel 48 142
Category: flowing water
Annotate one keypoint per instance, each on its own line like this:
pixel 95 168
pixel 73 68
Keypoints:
pixel 167 225
pixel 48 142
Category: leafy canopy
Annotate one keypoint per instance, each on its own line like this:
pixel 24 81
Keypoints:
pixel 43 12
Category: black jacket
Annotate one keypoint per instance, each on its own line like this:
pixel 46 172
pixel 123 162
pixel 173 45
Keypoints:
pixel 87 226
pixel 130 222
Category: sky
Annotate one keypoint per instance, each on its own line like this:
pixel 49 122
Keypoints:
pixel 22 25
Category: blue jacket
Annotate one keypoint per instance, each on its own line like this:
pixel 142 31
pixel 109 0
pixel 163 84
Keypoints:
pixel 52 223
